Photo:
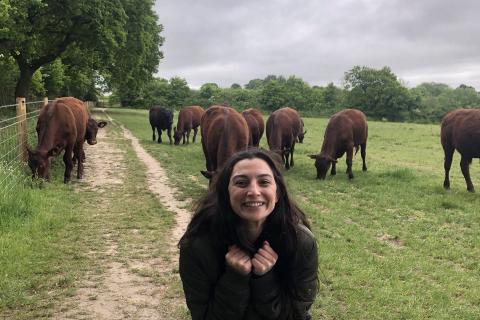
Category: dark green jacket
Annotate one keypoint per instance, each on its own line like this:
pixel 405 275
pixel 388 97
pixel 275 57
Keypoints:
pixel 215 291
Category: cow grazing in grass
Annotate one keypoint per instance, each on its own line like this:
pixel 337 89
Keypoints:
pixel 283 127
pixel 61 125
pixel 161 119
pixel 255 124
pixel 346 129
pixel 188 119
pixel 224 132
pixel 461 131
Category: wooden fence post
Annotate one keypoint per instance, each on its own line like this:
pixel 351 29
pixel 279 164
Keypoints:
pixel 45 101
pixel 22 129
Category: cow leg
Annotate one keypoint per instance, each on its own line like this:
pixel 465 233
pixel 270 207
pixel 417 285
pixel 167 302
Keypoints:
pixel 285 156
pixel 349 162
pixel 153 129
pixel 194 134
pixel 79 154
pixel 159 135
pixel 188 136
pixel 464 164
pixel 169 133
pixel 67 159
pixel 334 168
pixel 447 164
pixel 363 151
pixel 291 154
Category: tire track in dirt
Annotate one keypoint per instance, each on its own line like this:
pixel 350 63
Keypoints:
pixel 120 292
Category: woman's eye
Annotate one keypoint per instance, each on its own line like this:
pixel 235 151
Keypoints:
pixel 264 182
pixel 241 183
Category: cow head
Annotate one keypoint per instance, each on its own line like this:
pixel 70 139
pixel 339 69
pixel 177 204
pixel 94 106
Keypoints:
pixel 322 163
pixel 177 136
pixel 92 130
pixel 301 136
pixel 39 162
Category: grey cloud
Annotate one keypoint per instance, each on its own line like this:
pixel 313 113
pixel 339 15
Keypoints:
pixel 236 41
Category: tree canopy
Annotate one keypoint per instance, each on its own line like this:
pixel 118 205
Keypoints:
pixel 119 39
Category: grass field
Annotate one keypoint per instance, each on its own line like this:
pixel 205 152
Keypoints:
pixel 393 244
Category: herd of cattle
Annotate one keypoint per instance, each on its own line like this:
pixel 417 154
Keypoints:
pixel 65 124
pixel 226 131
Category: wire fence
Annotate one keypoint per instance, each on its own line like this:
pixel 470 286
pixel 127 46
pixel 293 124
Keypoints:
pixel 16 129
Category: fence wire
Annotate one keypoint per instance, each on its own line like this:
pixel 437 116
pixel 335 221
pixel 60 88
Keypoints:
pixel 13 170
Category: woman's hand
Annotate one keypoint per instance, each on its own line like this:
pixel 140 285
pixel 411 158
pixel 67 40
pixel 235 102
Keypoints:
pixel 264 260
pixel 238 260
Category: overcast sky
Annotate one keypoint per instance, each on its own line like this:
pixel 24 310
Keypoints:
pixel 226 42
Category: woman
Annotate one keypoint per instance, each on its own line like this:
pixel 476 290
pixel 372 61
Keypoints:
pixel 248 252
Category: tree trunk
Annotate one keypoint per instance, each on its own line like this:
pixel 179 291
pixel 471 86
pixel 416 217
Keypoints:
pixel 25 80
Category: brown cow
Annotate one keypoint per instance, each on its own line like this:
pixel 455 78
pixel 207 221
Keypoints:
pixel 346 129
pixel 224 132
pixel 61 126
pixel 283 127
pixel 255 124
pixel 461 130
pixel 188 118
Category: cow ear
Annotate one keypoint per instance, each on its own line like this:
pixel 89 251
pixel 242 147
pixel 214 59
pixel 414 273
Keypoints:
pixel 101 124
pixel 313 156
pixel 207 174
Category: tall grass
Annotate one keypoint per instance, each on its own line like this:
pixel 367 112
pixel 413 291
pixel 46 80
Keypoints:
pixel 34 220
pixel 393 244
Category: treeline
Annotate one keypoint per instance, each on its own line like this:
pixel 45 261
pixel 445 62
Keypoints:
pixel 86 49
pixel 379 93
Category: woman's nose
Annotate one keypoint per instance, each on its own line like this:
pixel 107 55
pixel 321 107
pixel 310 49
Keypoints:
pixel 253 189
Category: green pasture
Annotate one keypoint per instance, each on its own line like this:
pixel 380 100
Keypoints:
pixel 393 244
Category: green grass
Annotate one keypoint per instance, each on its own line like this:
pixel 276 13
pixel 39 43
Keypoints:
pixel 54 236
pixel 393 244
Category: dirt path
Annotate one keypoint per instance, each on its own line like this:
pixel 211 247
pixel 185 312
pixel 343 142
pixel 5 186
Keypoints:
pixel 125 290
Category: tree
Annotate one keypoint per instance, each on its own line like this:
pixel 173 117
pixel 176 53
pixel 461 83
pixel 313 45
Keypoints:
pixel 254 84
pixel 378 93
pixel 272 96
pixel 43 30
pixel 178 91
pixel 235 86
pixel 137 60
pixel 209 90
pixel 38 32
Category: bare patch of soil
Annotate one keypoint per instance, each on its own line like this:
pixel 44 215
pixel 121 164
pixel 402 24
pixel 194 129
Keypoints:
pixel 123 291
pixel 392 241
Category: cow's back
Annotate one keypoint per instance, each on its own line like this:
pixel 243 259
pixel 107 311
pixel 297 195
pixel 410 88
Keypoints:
pixel 224 132
pixel 189 118
pixel 348 125
pixel 254 119
pixel 197 113
pixel 283 126
pixel 460 129
pixel 62 122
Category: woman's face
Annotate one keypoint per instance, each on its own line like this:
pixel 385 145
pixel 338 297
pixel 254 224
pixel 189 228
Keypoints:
pixel 252 190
